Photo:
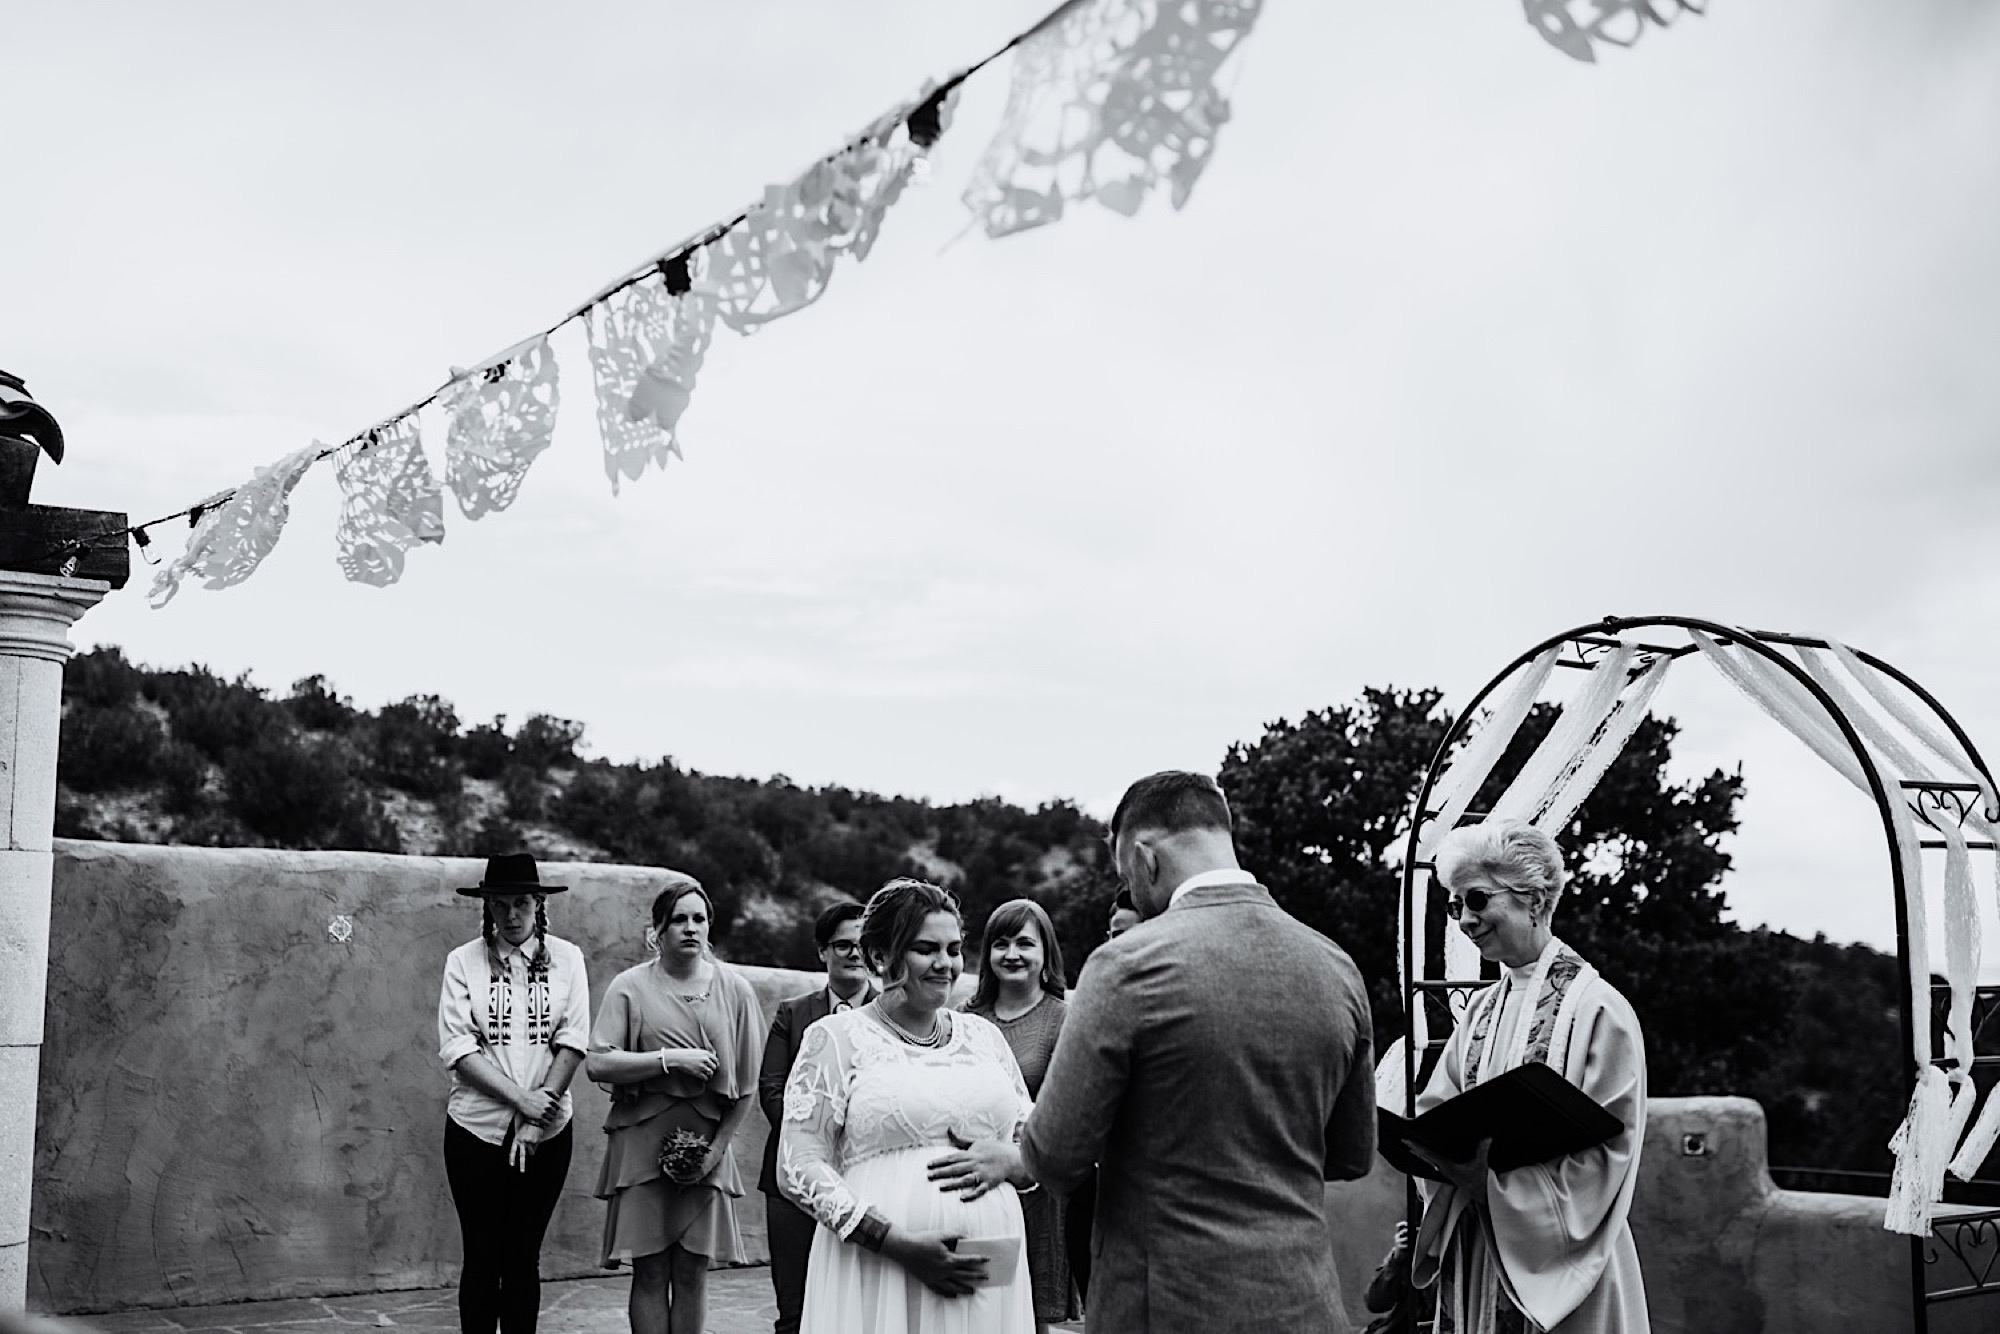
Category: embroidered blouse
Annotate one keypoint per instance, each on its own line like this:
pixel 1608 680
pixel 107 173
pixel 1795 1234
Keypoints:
pixel 516 1018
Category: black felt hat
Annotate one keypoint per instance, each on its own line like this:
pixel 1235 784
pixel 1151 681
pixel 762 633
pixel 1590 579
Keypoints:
pixel 511 873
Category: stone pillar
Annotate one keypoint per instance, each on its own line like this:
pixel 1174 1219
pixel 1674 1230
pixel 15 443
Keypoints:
pixel 36 611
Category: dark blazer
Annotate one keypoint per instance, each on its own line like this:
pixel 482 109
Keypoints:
pixel 1216 1063
pixel 781 1048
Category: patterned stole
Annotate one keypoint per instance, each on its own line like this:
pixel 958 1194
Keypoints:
pixel 1472 1299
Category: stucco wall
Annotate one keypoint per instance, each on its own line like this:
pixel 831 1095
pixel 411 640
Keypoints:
pixel 235 1105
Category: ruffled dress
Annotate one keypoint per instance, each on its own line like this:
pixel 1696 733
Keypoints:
pixel 646 1212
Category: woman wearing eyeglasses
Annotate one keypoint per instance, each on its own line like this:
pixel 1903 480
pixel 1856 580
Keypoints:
pixel 1547 1246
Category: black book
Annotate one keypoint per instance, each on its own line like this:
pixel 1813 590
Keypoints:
pixel 1532 1113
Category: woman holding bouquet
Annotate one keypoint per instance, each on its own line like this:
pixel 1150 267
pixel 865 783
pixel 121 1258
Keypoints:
pixel 679 1040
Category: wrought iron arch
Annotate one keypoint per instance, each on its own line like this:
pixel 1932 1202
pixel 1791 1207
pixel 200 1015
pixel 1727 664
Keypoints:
pixel 1961 1235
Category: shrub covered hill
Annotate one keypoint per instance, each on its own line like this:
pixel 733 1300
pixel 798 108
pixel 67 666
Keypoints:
pixel 1806 1027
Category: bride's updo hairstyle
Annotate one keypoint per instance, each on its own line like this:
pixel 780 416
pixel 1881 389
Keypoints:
pixel 894 916
pixel 1513 852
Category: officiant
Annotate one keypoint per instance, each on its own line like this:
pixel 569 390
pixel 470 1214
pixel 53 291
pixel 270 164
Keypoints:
pixel 1549 1241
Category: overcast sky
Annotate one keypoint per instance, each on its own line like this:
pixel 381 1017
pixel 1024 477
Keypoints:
pixel 1458 343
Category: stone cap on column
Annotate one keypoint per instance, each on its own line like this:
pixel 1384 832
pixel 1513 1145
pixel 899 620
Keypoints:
pixel 37 610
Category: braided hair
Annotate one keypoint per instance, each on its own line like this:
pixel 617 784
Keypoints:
pixel 489 931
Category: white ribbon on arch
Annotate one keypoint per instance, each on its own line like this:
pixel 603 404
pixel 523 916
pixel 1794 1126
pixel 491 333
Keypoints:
pixel 1453 793
pixel 1942 1103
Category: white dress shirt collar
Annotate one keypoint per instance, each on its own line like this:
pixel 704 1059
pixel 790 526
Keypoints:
pixel 1228 875
pixel 525 951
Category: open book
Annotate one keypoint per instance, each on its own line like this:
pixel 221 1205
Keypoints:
pixel 1532 1113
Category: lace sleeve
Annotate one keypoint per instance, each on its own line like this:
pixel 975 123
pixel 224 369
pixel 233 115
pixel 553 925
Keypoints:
pixel 809 1140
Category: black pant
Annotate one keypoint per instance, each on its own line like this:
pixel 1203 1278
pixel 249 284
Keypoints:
pixel 789 1230
pixel 502 1215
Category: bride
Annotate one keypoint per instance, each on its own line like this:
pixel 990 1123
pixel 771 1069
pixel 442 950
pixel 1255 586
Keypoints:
pixel 875 1095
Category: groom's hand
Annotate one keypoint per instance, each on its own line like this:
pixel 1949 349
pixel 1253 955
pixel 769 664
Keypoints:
pixel 975 1167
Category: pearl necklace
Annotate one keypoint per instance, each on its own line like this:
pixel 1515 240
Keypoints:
pixel 935 1039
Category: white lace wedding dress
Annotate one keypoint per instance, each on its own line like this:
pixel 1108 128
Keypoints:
pixel 864 1113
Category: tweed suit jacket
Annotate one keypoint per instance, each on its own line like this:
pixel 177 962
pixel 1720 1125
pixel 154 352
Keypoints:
pixel 781 1048
pixel 1216 1064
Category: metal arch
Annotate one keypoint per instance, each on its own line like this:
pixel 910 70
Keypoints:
pixel 1761 643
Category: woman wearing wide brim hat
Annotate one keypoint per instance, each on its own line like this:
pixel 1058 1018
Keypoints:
pixel 513 1023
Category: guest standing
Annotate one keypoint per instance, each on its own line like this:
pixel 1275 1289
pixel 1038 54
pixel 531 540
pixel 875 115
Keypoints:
pixel 513 1020
pixel 1020 990
pixel 1549 1242
pixel 837 934
pixel 1216 1067
pixel 875 1094
pixel 679 1040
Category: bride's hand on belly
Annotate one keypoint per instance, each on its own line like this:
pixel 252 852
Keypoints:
pixel 931 1261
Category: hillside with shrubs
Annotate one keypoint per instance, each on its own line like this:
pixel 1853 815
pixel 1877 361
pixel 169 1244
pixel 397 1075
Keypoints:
pixel 184 756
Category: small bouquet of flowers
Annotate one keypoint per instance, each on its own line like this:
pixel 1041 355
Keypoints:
pixel 682 1155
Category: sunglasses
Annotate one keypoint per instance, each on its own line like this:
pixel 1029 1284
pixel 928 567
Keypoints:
pixel 1475 899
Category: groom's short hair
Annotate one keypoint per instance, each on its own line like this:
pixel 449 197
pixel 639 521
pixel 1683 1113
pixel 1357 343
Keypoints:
pixel 1172 800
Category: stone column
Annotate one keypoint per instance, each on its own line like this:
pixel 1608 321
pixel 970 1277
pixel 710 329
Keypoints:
pixel 36 611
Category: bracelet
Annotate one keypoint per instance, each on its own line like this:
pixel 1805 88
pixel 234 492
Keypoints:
pixel 663 1062
pixel 871 1231
pixel 1028 1189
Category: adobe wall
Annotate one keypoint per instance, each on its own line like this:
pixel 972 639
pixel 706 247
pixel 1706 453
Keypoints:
pixel 235 1105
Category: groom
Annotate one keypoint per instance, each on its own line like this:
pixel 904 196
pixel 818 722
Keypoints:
pixel 1216 1065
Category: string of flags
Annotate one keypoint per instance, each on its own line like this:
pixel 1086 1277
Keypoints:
pixel 1111 102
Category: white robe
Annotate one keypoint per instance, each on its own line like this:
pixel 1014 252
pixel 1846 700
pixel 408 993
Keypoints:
pixel 1559 1229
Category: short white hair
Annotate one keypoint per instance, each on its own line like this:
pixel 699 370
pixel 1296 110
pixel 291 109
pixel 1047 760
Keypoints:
pixel 1512 852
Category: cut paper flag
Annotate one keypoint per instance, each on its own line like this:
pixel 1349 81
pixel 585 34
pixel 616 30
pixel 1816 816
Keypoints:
pixel 232 536
pixel 646 346
pixel 390 501
pixel 780 257
pixel 1109 99
pixel 1576 27
pixel 503 416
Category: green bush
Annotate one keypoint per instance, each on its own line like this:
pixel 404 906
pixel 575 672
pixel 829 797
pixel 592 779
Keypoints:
pixel 315 706
pixel 108 749
pixel 101 677
pixel 484 750
pixel 216 716
pixel 183 778
pixel 546 742
pixel 522 788
pixel 303 793
pixel 413 744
